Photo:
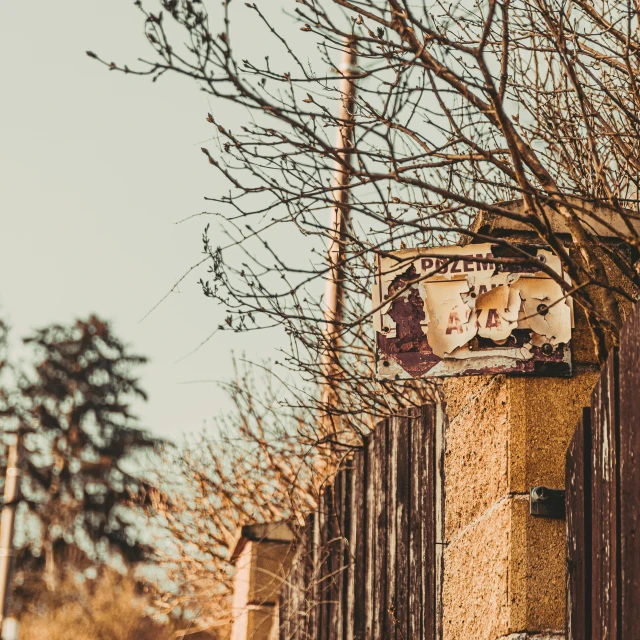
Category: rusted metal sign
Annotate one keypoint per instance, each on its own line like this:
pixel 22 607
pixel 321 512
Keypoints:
pixel 452 311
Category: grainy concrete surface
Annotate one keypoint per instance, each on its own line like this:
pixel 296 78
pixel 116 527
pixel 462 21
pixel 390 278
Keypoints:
pixel 534 636
pixel 504 570
pixel 476 580
pixel 543 413
pixel 537 571
pixel 476 457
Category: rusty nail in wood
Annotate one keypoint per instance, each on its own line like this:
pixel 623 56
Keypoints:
pixel 547 349
pixel 543 309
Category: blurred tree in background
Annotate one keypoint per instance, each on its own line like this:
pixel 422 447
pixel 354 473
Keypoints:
pixel 256 465
pixel 89 491
pixel 522 110
pixel 82 486
pixel 77 404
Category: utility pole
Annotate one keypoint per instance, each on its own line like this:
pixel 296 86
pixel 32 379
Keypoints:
pixel 334 294
pixel 7 552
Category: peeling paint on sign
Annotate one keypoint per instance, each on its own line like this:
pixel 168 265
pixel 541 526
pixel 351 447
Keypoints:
pixel 452 311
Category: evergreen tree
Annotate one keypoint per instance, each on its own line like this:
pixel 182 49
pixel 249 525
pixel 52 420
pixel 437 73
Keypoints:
pixel 80 437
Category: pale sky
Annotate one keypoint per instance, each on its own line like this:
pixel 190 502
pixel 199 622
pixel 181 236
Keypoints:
pixel 96 169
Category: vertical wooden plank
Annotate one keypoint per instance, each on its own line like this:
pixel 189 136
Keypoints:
pixel 391 487
pixel 613 426
pixel 333 561
pixel 295 604
pixel 615 529
pixel 336 559
pixel 428 508
pixel 325 563
pixel 311 579
pixel 380 567
pixel 439 500
pixel 416 584
pixel 298 604
pixel 303 582
pixel 345 550
pixel 578 524
pixel 596 509
pixel 358 546
pixel 604 504
pixel 318 564
pixel 350 550
pixel 371 535
pixel 629 393
pixel 289 614
pixel 403 486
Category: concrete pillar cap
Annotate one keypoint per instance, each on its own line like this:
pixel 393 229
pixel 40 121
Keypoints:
pixel 278 532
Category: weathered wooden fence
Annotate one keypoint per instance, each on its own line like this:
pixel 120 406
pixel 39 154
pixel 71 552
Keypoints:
pixel 367 558
pixel 603 502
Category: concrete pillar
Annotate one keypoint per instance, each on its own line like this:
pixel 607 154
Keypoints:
pixel 262 556
pixel 504 570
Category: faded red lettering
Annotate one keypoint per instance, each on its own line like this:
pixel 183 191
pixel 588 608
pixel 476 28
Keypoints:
pixel 493 319
pixel 427 263
pixel 484 265
pixel 483 288
pixel 468 266
pixel 454 324
pixel 454 266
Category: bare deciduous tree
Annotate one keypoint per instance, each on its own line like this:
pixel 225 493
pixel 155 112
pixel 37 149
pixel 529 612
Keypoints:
pixel 257 466
pixel 461 109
